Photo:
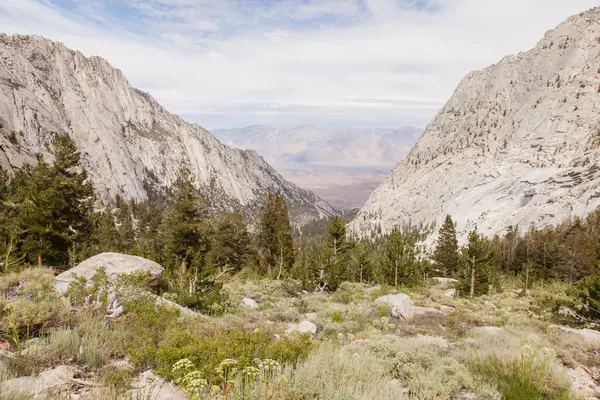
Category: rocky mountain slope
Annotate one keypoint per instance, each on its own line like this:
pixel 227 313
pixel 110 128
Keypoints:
pixel 306 146
pixel 129 143
pixel 517 144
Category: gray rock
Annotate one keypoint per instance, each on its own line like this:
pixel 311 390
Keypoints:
pixel 114 264
pixel 306 327
pixel 403 307
pixel 54 382
pixel 249 303
pixel 449 293
pixel 148 385
pixel 589 335
pixel 443 281
pixel 515 145
pixel 126 139
pixel 395 300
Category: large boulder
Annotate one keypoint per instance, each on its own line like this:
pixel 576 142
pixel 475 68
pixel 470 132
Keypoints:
pixel 403 307
pixel 114 264
pixel 399 300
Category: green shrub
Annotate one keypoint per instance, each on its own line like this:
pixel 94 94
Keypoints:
pixel 148 324
pixel 528 375
pixel 119 380
pixel 206 352
pixel 348 292
pixel 337 317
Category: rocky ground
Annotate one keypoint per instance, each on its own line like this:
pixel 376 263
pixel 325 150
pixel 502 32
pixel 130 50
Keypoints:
pixel 363 342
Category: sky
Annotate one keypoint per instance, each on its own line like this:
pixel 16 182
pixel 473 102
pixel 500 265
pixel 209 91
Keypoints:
pixel 331 63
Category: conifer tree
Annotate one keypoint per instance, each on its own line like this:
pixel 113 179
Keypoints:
pixel 55 216
pixel 401 254
pixel 446 251
pixel 232 246
pixel 275 235
pixel 335 256
pixel 124 223
pixel 477 271
pixel 106 236
pixel 187 236
pixel 149 235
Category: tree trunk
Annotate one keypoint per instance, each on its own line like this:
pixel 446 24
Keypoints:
pixel 39 260
pixel 526 279
pixel 361 269
pixel 280 260
pixel 473 278
pixel 396 276
pixel 182 271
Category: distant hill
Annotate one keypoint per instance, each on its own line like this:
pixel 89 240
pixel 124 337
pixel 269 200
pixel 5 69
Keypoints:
pixel 306 147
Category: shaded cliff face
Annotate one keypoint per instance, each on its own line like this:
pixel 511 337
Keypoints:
pixel 517 144
pixel 129 143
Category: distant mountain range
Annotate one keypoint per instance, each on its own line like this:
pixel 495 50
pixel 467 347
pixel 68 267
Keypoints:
pixel 307 147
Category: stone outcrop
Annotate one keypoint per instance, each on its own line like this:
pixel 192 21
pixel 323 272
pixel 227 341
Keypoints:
pixel 114 264
pixel 517 144
pixel 403 307
pixel 130 145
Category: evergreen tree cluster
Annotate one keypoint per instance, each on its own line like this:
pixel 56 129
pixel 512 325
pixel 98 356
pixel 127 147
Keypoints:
pixel 48 217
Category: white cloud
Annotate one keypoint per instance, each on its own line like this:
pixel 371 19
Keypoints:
pixel 342 62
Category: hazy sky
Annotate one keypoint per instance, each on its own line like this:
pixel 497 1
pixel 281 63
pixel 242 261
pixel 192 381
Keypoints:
pixel 229 63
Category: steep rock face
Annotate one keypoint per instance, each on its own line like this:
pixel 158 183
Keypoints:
pixel 129 143
pixel 517 144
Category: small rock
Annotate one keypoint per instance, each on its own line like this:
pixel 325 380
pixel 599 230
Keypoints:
pixel 449 293
pixel 117 312
pixel 442 281
pixel 489 305
pixel 151 386
pixel 446 309
pixel 302 327
pixel 249 303
pixel 122 365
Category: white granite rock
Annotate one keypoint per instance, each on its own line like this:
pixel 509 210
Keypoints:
pixel 517 144
pixel 127 140
pixel 249 303
pixel 114 265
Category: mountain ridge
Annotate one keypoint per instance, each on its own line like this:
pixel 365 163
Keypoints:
pixel 516 144
pixel 129 142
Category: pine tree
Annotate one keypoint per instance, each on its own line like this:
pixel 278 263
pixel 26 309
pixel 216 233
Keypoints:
pixel 106 236
pixel 275 235
pixel 124 223
pixel 477 271
pixel 446 251
pixel 187 236
pixel 232 246
pixel 55 217
pixel 401 254
pixel 149 236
